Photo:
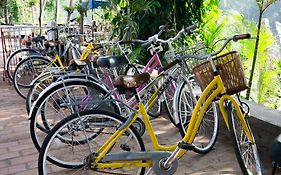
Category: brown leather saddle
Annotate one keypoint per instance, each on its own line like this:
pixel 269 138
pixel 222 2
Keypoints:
pixel 130 82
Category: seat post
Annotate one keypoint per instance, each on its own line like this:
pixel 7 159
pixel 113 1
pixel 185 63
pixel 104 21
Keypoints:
pixel 136 94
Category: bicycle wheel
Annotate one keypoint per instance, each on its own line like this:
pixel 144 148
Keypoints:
pixel 63 99
pixel 65 157
pixel 45 80
pixel 206 136
pixel 16 57
pixel 246 152
pixel 155 110
pixel 39 85
pixel 169 94
pixel 27 70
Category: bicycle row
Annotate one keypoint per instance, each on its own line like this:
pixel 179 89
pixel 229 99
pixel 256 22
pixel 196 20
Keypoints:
pixel 91 118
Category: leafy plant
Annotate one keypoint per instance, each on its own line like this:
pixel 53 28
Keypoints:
pixel 263 5
pixel 13 6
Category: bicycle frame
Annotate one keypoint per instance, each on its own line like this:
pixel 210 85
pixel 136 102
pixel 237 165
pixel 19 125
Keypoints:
pixel 203 103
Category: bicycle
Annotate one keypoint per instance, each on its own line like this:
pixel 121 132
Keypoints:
pixel 28 69
pixel 42 81
pixel 43 102
pixel 161 161
pixel 23 53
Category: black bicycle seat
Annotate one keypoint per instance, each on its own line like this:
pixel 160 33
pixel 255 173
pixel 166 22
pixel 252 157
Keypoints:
pixel 38 39
pixel 112 61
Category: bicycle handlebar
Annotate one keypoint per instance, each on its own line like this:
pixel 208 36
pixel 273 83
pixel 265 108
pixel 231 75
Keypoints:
pixel 233 38
pixel 169 65
pixel 187 29
pixel 185 56
pixel 241 37
pixel 155 38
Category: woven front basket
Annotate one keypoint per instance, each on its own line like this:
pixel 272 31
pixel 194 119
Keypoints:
pixel 230 70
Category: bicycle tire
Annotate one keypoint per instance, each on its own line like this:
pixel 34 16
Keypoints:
pixel 169 94
pixel 207 134
pixel 45 80
pixel 48 109
pixel 16 57
pixel 105 122
pixel 246 152
pixel 24 75
pixel 36 88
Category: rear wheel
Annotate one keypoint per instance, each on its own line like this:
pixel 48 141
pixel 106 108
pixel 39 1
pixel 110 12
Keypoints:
pixel 60 151
pixel 246 151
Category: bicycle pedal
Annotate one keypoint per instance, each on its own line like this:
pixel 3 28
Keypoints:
pixel 125 147
pixel 186 146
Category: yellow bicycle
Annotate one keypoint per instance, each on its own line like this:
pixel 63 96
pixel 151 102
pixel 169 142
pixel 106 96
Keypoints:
pixel 96 141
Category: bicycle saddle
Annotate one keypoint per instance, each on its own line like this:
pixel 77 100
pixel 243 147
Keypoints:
pixel 131 81
pixel 52 43
pixel 111 61
pixel 37 39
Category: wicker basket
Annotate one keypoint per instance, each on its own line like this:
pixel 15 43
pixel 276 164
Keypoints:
pixel 230 70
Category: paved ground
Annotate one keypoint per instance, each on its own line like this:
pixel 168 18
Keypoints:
pixel 19 157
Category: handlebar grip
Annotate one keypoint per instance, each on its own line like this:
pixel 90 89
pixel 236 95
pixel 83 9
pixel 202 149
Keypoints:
pixel 52 29
pixel 70 36
pixel 162 29
pixel 241 36
pixel 146 44
pixel 190 28
pixel 168 66
pixel 126 42
pixel 96 48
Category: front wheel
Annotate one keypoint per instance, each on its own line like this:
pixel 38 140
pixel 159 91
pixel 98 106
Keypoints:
pixel 207 133
pixel 16 57
pixel 27 70
pixel 246 151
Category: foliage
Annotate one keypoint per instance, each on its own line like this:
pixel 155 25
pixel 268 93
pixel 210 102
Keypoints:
pixel 82 10
pixel 209 28
pixel 145 16
pixel 266 82
pixel 13 7
pixel 32 3
pixel 69 9
pixel 49 10
pixel 263 5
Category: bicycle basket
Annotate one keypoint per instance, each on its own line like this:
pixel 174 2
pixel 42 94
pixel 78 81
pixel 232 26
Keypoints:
pixel 230 69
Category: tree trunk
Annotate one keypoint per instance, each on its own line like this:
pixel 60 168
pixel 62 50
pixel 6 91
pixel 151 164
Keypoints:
pixel 32 10
pixel 23 12
pixel 68 13
pixel 81 22
pixel 57 13
pixel 248 93
pixel 174 15
pixel 40 15
pixel 43 7
pixel 5 11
